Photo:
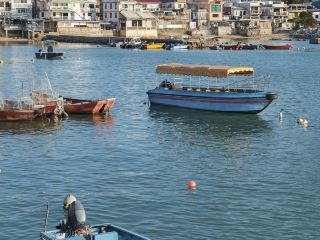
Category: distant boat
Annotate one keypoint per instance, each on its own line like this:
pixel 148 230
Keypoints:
pixel 176 46
pixel 252 47
pixel 152 46
pixel 278 47
pixel 49 54
pixel 237 46
pixel 190 90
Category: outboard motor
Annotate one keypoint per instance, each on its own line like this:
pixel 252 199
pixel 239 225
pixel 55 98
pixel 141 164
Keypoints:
pixel 69 198
pixel 76 215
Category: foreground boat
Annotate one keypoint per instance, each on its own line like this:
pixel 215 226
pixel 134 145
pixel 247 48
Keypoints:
pixel 97 232
pixel 74 227
pixel 277 47
pixel 172 46
pixel 232 95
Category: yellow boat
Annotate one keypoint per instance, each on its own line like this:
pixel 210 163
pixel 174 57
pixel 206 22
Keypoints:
pixel 152 46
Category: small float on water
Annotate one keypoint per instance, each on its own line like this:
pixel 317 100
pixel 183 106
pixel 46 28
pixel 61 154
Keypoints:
pixel 74 227
pixel 49 54
pixel 207 91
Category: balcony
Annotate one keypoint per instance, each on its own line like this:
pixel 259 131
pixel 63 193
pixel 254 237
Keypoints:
pixel 256 12
pixel 60 8
pixel 279 14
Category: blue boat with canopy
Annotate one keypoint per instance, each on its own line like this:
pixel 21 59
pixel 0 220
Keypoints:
pixel 211 88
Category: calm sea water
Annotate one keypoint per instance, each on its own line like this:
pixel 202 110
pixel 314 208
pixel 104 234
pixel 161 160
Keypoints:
pixel 258 177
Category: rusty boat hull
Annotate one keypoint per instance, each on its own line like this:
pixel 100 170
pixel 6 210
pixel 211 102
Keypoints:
pixel 79 106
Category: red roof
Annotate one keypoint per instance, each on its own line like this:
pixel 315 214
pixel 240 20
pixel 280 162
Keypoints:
pixel 148 1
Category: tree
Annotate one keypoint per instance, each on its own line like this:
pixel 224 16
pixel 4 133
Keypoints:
pixel 306 19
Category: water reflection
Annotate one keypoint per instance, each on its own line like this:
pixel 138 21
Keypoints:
pixel 38 126
pixel 209 122
pixel 98 119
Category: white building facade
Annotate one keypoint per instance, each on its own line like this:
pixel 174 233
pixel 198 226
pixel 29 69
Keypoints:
pixel 16 9
pixel 67 10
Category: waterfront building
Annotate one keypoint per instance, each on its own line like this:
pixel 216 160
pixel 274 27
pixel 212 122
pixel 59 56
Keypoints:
pixel 173 5
pixel 294 10
pixel 67 10
pixel 150 5
pixel 316 15
pixel 138 24
pixel 16 9
pixel 214 8
pixel 277 12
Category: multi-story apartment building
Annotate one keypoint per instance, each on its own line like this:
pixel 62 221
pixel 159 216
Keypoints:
pixel 276 11
pixel 16 9
pixel 67 10
pixel 111 9
pixel 294 10
pixel 214 8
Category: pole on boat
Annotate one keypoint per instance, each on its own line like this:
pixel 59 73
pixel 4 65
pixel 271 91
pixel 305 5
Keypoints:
pixel 49 83
pixel 46 218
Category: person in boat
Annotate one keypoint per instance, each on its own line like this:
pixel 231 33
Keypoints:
pixel 166 84
pixel 50 49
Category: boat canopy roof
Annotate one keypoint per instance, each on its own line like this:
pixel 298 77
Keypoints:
pixel 203 70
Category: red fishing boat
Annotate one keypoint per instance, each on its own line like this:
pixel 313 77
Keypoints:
pixel 80 106
pixel 19 111
pixel 278 47
pixel 72 105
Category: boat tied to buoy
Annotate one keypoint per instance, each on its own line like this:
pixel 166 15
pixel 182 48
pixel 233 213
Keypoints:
pixel 211 88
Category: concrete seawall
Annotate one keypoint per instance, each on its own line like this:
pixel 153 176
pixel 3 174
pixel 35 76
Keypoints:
pixel 99 40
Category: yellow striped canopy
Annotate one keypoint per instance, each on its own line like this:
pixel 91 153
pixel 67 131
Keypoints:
pixel 203 70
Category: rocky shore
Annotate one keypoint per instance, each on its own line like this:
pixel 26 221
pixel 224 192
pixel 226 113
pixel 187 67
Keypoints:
pixel 306 33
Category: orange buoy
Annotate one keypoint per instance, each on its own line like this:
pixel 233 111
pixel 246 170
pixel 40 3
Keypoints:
pixel 192 185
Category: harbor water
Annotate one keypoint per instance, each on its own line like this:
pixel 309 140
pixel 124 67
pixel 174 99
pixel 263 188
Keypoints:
pixel 257 175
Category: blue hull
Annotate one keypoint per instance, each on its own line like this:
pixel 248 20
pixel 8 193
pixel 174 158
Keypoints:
pixel 99 232
pixel 242 102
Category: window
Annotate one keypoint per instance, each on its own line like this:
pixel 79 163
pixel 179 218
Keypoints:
pixel 106 6
pixel 115 15
pixel 110 15
pixel 110 5
pixel 1 4
pixel 215 15
pixel 42 14
pixel 215 8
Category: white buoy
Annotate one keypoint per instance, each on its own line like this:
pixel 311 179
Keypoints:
pixel 281 114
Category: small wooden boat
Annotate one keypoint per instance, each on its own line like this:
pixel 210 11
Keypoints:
pixel 152 46
pixel 20 111
pixel 72 105
pixel 239 95
pixel 78 106
pixel 277 47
